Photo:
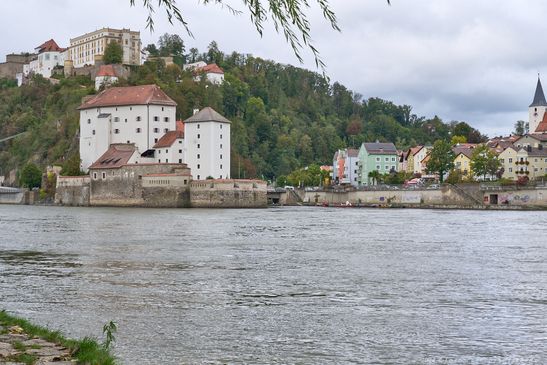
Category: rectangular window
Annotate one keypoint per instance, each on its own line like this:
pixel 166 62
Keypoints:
pixel 198 126
pixel 377 159
pixel 166 130
pixel 510 169
pixel 116 119
pixel 377 167
pixel 221 147
pixel 166 151
pixel 199 145
pixel 221 157
pixel 386 167
pixel 198 156
pixel 156 130
pixel 156 118
pixel 104 175
pixel 221 167
pixel 138 130
pixel 510 160
pixel 138 119
pixel 221 136
pixel 180 142
pixel 89 121
pixel 180 161
pixel 155 140
pixel 387 159
pixel 393 159
pixel 198 168
pixel 94 176
pixel 166 119
pixel 198 177
pixel 198 136
pixel 166 160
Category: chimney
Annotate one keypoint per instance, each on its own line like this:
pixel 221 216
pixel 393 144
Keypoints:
pixel 196 111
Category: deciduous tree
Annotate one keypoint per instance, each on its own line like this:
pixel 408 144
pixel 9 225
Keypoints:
pixel 441 158
pixel 113 53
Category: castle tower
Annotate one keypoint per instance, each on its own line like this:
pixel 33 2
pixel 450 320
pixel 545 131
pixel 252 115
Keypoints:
pixel 537 108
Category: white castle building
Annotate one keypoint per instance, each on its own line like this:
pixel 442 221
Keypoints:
pixel 49 55
pixel 146 117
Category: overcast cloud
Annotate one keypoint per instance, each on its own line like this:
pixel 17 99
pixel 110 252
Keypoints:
pixel 475 61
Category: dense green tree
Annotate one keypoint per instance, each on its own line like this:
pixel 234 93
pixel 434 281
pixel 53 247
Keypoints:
pixel 457 140
pixel 172 45
pixel 152 50
pixel 31 176
pixel 484 162
pixel 113 53
pixel 441 159
pixel 521 128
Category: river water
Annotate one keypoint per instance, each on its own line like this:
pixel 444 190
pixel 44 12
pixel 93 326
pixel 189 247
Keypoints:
pixel 284 285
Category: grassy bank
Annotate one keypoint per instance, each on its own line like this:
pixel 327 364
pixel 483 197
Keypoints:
pixel 87 351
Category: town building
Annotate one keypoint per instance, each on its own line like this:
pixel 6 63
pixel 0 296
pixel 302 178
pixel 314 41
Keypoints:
pixel 49 56
pixel 410 160
pixel 212 72
pixel 105 77
pixel 508 160
pixel 207 144
pixel 89 48
pixel 419 156
pixel 462 160
pixel 345 166
pixel 533 140
pixel 381 157
pixel 170 148
pixel 137 114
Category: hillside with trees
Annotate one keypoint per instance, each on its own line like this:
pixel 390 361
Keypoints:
pixel 283 117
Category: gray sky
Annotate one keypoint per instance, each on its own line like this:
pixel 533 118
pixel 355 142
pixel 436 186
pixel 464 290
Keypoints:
pixel 475 61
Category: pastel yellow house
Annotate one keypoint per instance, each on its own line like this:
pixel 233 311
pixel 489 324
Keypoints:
pixel 462 161
pixel 507 159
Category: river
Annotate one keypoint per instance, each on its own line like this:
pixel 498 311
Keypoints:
pixel 284 285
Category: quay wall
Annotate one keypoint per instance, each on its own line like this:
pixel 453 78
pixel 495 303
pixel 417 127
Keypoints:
pixel 228 194
pixel 137 187
pixel 447 196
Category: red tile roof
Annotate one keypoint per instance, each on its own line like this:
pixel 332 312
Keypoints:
pixel 132 95
pixel 50 46
pixel 168 139
pixel 212 68
pixel 542 126
pixel 115 157
pixel 107 70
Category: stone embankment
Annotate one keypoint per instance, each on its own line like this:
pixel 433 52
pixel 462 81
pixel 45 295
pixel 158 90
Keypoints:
pixel 19 348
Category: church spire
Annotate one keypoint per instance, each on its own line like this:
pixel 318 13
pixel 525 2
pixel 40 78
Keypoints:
pixel 539 97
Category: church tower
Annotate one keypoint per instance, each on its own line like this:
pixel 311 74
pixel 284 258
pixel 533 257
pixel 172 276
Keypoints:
pixel 537 108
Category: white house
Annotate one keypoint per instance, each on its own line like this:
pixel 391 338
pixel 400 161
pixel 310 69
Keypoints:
pixel 171 148
pixel 419 157
pixel 345 166
pixel 49 56
pixel 138 114
pixel 212 72
pixel 106 76
pixel 207 142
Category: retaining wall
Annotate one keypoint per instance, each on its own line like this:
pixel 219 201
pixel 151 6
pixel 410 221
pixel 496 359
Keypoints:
pixel 228 194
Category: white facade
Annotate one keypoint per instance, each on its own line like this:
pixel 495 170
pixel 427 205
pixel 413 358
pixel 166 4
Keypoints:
pixel 143 125
pixel 175 153
pixel 349 161
pixel 418 158
pixel 45 63
pixel 207 149
pixel 535 116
